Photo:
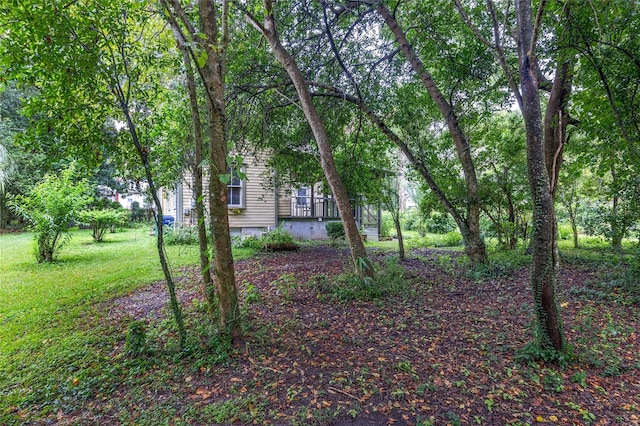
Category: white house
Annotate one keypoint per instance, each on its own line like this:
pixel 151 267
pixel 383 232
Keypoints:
pixel 256 207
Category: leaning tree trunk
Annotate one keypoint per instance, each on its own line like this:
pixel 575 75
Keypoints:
pixel 417 163
pixel 358 252
pixel 474 243
pixel 544 268
pixel 143 153
pixel 218 211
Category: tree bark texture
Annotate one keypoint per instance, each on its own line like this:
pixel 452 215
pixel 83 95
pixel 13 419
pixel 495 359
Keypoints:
pixel 198 187
pixel 218 213
pixel 544 268
pixel 556 119
pixel 474 242
pixel 358 252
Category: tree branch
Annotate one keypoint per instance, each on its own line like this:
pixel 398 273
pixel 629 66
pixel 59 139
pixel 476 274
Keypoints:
pixel 537 27
pixel 463 14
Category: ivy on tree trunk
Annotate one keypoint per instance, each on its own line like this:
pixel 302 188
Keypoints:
pixel 545 264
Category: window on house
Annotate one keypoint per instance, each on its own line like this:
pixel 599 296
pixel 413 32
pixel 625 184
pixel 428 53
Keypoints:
pixel 301 197
pixel 235 189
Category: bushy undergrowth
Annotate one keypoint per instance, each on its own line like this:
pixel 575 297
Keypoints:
pixel 450 239
pixel 388 280
pixel 277 239
pixel 501 264
pixel 181 235
pixel 335 231
pixel 619 283
pixel 440 223
pixel 387 227
pixel 565 232
pixel 534 353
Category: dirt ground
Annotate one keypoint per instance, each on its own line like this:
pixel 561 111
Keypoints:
pixel 442 353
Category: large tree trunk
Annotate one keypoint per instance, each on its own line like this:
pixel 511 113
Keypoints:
pixel 545 266
pixel 198 185
pixel 474 243
pixel 219 216
pixel 358 252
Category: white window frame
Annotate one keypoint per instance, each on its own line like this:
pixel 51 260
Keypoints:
pixel 303 201
pixel 241 185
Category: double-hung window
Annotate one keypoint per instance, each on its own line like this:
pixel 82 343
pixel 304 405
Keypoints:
pixel 302 197
pixel 235 188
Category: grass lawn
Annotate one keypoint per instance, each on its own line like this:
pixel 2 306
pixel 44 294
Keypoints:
pixel 48 325
pixel 44 301
pixel 438 348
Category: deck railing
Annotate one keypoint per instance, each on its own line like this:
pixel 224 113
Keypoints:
pixel 306 206
pixel 325 207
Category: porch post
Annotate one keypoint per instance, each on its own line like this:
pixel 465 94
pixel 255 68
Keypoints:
pixel 313 204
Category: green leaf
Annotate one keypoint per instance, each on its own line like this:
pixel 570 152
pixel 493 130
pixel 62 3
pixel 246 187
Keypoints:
pixel 202 58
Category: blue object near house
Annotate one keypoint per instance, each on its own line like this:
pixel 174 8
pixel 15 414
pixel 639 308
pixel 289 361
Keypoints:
pixel 168 220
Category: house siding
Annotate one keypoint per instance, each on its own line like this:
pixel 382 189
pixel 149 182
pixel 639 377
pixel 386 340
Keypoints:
pixel 259 211
pixel 168 202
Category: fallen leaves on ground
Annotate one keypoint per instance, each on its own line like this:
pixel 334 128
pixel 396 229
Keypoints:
pixel 443 353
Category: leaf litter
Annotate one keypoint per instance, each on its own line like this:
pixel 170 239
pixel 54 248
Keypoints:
pixel 444 352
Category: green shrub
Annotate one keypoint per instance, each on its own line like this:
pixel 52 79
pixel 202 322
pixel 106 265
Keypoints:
pixel 51 208
pixel 277 239
pixel 250 242
pixel 594 219
pixel 181 234
pixel 277 236
pixel 440 223
pixel 565 232
pixel 412 220
pixel 450 239
pixel 139 214
pixel 101 220
pixel 388 280
pixel 386 225
pixel 335 231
